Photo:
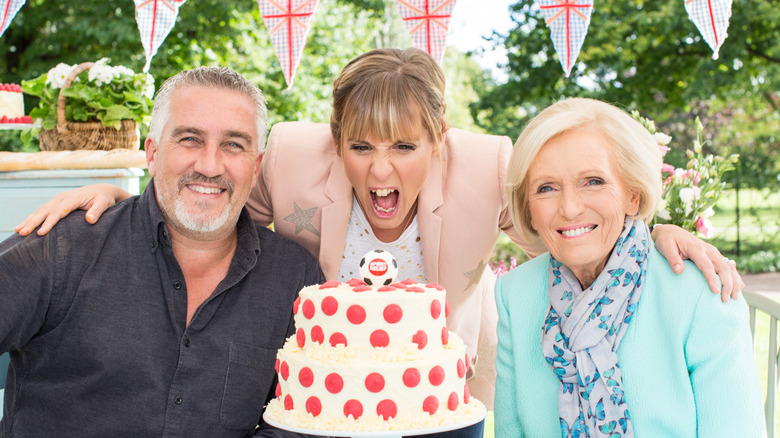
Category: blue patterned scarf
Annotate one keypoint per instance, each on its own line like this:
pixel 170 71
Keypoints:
pixel 582 332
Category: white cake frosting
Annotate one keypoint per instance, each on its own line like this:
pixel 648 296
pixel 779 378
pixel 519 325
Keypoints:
pixel 11 102
pixel 372 358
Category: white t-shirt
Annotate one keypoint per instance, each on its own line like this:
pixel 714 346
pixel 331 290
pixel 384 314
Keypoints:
pixel 407 250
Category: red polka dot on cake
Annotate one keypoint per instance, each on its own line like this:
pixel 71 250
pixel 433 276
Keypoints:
pixel 375 382
pixel 436 375
pixel 430 404
pixel 356 314
pixel 445 336
pixel 392 313
pixel 334 383
pixel 300 336
pixel 435 309
pixel 278 391
pixel 363 288
pixel 337 338
pixel 468 362
pixel 308 309
pixel 452 401
pixel 411 377
pixel 408 281
pixel 355 282
pixel 421 339
pixel 466 393
pixel 415 289
pixel 446 308
pixel 436 286
pixel 285 370
pixel 386 409
pixel 329 284
pixel 317 335
pixel 386 289
pixel 379 338
pixel 306 377
pixel 461 368
pixel 296 303
pixel 329 305
pixel 276 365
pixel 354 408
pixel 399 286
pixel 288 402
pixel 313 406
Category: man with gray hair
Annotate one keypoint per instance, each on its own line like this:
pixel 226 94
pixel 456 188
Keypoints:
pixel 164 318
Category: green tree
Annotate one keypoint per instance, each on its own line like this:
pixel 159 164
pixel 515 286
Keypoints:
pixel 640 54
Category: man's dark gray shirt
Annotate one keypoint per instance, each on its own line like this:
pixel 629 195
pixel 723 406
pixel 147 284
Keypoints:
pixel 94 318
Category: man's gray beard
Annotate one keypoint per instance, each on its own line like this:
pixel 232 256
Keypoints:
pixel 197 224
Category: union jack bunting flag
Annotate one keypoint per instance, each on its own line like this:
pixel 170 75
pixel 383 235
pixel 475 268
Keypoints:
pixel 711 17
pixel 155 20
pixel 288 22
pixel 568 21
pixel 8 10
pixel 427 22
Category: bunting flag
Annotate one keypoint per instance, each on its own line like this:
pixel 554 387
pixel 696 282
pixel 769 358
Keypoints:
pixel 427 22
pixel 568 21
pixel 8 10
pixel 711 17
pixel 155 20
pixel 288 22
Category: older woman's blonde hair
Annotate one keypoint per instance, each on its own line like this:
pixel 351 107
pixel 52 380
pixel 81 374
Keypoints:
pixel 387 94
pixel 637 157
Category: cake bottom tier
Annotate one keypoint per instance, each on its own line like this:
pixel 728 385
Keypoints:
pixel 373 395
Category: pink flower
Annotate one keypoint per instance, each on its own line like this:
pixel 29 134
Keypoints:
pixel 704 227
pixel 667 168
pixel 692 173
pixel 664 149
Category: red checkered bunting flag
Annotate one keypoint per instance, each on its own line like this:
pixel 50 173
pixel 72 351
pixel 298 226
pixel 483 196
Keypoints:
pixel 8 10
pixel 711 17
pixel 568 21
pixel 427 22
pixel 288 22
pixel 155 20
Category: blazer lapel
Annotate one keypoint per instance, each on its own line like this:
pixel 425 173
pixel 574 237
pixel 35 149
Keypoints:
pixel 335 219
pixel 431 197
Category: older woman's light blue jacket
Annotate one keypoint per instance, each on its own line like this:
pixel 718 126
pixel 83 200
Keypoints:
pixel 687 359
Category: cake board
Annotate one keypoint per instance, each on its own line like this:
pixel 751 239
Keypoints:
pixel 379 434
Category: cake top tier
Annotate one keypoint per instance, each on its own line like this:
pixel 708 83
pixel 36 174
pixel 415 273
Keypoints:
pixel 405 315
pixel 11 88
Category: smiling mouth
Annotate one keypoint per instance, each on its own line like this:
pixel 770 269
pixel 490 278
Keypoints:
pixel 574 232
pixel 205 190
pixel 384 200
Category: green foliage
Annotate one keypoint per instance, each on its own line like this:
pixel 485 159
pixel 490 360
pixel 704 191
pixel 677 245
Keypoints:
pixel 762 261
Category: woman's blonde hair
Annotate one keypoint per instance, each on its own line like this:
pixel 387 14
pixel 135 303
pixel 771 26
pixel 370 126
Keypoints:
pixel 387 94
pixel 637 157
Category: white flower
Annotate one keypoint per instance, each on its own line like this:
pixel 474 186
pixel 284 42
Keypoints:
pixel 687 196
pixel 661 138
pixel 706 214
pixel 57 75
pixel 100 74
pixel 121 69
pixel 664 214
pixel 696 192
pixel 148 88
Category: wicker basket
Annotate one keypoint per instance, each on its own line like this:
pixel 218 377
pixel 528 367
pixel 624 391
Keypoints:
pixel 70 136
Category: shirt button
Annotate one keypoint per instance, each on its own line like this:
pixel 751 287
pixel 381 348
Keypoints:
pixel 187 342
pixel 178 400
pixel 177 285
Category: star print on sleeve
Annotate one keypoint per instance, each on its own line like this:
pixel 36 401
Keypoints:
pixel 302 219
pixel 475 275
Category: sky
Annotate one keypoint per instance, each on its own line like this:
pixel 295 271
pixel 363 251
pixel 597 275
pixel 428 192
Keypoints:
pixel 473 19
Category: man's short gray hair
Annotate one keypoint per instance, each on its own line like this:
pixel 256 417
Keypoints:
pixel 217 77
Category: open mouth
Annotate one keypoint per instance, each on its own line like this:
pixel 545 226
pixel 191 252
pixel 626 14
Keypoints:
pixel 384 201
pixel 579 231
pixel 205 190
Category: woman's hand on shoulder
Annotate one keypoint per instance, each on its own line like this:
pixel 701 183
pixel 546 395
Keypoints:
pixel 676 244
pixel 95 198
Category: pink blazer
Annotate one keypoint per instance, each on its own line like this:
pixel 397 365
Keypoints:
pixel 304 192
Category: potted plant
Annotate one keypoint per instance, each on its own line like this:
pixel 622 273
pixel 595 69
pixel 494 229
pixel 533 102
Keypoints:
pixel 89 106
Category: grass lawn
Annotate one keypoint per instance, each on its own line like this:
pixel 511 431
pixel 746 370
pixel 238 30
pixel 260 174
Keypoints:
pixel 759 222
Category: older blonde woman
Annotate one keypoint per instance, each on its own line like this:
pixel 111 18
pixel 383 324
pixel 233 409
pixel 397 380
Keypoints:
pixel 627 347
